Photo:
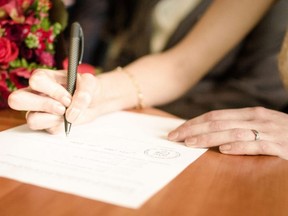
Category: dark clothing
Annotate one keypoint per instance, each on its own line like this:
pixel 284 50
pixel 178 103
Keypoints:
pixel 92 16
pixel 247 76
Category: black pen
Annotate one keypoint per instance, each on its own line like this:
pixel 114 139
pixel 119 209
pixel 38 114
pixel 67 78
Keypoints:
pixel 76 48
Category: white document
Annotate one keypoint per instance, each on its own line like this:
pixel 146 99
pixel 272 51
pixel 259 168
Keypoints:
pixel 121 158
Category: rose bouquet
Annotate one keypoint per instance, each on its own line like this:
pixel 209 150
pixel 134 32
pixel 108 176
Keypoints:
pixel 27 42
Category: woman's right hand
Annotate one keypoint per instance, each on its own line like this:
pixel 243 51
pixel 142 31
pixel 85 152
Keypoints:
pixel 46 100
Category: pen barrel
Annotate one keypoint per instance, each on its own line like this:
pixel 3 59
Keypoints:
pixel 73 64
pixel 75 57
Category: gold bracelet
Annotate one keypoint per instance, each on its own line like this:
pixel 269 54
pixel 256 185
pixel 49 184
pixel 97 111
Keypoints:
pixel 140 103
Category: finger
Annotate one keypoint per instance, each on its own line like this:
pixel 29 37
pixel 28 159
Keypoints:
pixel 243 114
pixel 55 130
pixel 26 100
pixel 41 121
pixel 251 148
pixel 51 83
pixel 82 97
pixel 189 130
pixel 214 118
pixel 224 137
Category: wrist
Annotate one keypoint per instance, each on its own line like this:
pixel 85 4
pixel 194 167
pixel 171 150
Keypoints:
pixel 117 92
pixel 136 86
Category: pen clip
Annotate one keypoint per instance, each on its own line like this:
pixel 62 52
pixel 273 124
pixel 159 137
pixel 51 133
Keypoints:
pixel 81 37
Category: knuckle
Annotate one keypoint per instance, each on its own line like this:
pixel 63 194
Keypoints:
pixel 185 131
pixel 210 115
pixel 56 93
pixel 239 148
pixel 186 124
pixel 48 106
pixel 238 133
pixel 35 79
pixel 83 97
pixel 216 125
pixel 260 112
pixel 203 140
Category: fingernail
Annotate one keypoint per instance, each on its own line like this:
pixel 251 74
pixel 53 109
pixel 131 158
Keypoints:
pixel 66 101
pixel 225 147
pixel 173 135
pixel 73 114
pixel 191 141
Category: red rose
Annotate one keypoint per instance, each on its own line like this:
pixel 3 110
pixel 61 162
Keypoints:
pixel 8 52
pixel 15 32
pixel 19 77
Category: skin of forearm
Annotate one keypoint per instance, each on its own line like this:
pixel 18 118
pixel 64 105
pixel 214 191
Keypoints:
pixel 223 26
pixel 166 76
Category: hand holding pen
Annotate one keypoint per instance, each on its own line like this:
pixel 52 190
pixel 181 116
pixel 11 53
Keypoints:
pixel 76 47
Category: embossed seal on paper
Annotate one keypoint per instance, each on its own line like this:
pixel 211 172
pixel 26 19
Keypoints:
pixel 162 153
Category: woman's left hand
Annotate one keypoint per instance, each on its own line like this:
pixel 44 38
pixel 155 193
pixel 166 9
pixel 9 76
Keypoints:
pixel 247 131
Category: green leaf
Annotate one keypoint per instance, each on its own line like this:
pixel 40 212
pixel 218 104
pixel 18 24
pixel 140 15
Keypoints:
pixel 32 41
pixel 57 28
pixel 45 24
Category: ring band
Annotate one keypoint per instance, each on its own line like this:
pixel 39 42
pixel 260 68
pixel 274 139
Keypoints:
pixel 26 115
pixel 256 133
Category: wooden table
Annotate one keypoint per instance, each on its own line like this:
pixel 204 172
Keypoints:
pixel 213 185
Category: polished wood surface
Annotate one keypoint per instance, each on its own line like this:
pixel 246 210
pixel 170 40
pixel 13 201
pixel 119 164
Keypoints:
pixel 215 184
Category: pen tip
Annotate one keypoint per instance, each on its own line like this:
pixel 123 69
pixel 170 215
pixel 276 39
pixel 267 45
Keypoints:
pixel 67 128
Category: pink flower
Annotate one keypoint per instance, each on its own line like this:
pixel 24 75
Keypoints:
pixel 32 20
pixel 15 8
pixel 8 52
pixel 19 77
pixel 45 58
